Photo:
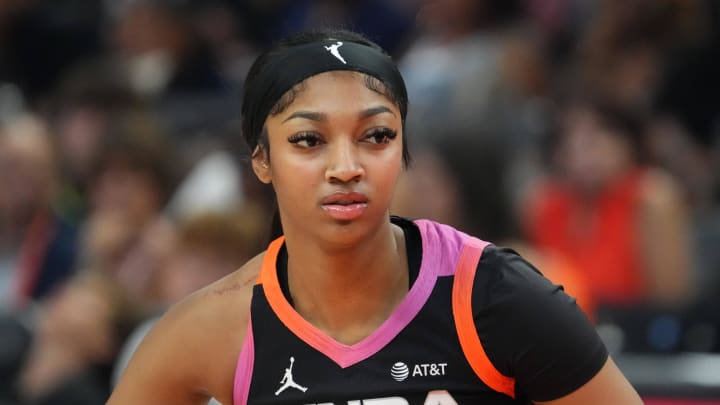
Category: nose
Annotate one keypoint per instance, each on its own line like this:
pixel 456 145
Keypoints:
pixel 343 163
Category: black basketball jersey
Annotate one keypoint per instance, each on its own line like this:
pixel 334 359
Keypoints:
pixel 428 351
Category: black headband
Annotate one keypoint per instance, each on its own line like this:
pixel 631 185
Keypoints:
pixel 303 61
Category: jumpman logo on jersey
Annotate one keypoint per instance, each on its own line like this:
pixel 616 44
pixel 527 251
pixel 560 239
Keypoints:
pixel 287 380
pixel 333 49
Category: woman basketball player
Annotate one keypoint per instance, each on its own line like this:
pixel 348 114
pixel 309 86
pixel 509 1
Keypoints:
pixel 351 305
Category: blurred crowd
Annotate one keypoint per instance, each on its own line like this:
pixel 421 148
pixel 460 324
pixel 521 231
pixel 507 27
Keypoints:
pixel 585 134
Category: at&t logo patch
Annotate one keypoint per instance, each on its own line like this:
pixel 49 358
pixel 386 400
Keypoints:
pixel 399 371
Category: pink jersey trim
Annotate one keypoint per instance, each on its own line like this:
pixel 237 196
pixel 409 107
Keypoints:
pixel 441 249
pixel 441 245
pixel 244 369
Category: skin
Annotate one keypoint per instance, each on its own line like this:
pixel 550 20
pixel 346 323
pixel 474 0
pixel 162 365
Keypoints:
pixel 192 352
pixel 342 262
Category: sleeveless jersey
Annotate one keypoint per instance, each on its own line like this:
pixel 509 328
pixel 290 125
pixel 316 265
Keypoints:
pixel 427 352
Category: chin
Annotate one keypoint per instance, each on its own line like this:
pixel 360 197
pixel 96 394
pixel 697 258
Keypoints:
pixel 346 234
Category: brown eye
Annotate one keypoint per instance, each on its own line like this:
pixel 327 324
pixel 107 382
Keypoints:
pixel 380 136
pixel 306 139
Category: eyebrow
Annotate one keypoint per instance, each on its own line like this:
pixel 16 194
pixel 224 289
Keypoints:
pixel 308 115
pixel 375 111
pixel 318 116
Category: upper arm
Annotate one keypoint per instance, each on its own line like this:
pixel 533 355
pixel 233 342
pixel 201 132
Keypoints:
pixel 161 370
pixel 533 331
pixel 191 354
pixel 608 386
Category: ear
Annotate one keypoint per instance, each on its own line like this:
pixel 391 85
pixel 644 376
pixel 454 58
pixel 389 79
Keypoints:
pixel 261 165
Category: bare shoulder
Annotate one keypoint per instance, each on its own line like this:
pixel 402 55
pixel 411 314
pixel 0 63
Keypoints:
pixel 191 353
pixel 221 308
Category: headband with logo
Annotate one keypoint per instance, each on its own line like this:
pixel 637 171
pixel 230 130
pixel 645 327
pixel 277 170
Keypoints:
pixel 303 61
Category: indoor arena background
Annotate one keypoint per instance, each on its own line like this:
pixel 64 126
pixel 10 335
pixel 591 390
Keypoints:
pixel 583 133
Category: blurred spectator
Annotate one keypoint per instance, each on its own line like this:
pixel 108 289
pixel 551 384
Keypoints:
pixel 171 64
pixel 215 183
pixel 161 51
pixel 626 45
pixel 224 29
pixel 686 141
pixel 144 258
pixel 478 85
pixel 453 73
pixel 208 246
pixel 621 222
pixel 73 344
pixel 697 166
pixel 37 247
pixel 132 179
pixel 84 107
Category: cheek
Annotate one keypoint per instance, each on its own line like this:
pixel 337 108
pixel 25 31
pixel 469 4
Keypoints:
pixel 294 176
pixel 385 173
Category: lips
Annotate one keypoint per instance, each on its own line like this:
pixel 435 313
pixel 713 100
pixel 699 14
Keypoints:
pixel 344 198
pixel 344 206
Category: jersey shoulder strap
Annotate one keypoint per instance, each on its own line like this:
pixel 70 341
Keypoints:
pixel 472 347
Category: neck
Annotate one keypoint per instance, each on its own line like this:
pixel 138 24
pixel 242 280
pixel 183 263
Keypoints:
pixel 349 293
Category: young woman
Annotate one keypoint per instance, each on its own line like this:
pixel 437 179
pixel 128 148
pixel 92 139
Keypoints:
pixel 352 305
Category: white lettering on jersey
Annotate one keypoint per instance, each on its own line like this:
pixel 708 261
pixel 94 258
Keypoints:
pixel 440 398
pixel 386 401
pixel 437 397
pixel 429 369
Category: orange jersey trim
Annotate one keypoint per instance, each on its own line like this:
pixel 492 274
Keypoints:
pixel 282 308
pixel 271 287
pixel 342 354
pixel 465 324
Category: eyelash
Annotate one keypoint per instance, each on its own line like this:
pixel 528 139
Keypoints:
pixel 377 136
pixel 311 139
pixel 381 135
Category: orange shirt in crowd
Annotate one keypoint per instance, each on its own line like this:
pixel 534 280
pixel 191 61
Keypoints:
pixel 600 237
